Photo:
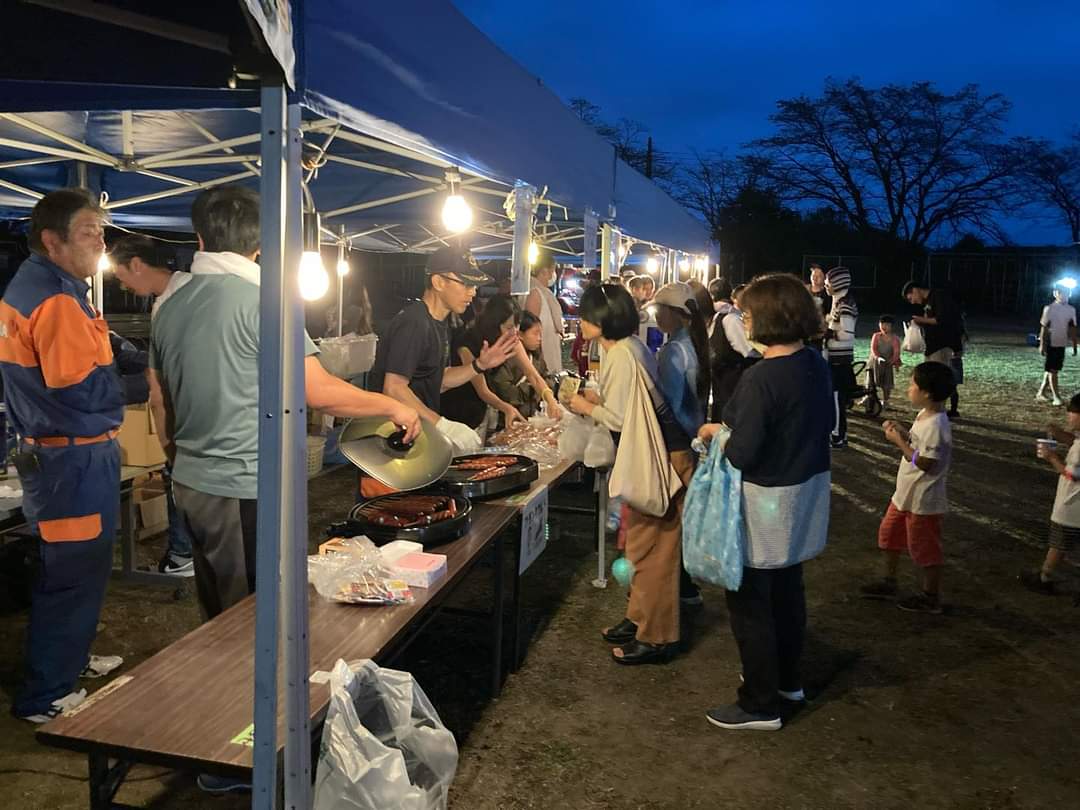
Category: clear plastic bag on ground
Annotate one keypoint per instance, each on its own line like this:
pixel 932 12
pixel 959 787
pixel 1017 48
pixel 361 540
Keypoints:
pixel 353 573
pixel 383 744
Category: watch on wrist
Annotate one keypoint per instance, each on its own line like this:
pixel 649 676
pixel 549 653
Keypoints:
pixel 476 366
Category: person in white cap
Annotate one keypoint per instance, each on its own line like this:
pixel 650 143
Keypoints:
pixel 840 346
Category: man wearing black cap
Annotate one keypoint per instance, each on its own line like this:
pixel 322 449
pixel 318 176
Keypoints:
pixel 411 363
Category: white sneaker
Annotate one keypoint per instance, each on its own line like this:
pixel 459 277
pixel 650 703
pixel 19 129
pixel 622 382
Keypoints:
pixel 58 707
pixel 1039 397
pixel 1055 401
pixel 101 665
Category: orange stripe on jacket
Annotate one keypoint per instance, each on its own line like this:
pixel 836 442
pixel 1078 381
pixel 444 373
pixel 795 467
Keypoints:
pixel 70 530
pixel 69 343
pixel 16 345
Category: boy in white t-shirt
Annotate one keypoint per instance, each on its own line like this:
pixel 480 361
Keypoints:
pixel 1065 517
pixel 913 520
pixel 1057 330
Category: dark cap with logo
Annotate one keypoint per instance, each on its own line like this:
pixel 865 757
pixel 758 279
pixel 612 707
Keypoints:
pixel 458 261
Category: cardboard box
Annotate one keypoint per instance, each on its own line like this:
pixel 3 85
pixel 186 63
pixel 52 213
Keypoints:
pixel 153 508
pixel 139 443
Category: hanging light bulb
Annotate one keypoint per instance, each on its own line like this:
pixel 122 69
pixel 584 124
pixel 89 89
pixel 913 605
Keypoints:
pixel 104 263
pixel 701 264
pixel 652 265
pixel 314 280
pixel 312 276
pixel 457 215
pixel 534 253
pixel 342 268
pixel 684 265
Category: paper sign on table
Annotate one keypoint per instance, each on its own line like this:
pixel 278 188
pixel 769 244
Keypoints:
pixel 534 516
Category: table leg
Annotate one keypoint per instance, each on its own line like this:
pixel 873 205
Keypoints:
pixel 105 781
pixel 601 479
pixel 497 617
pixel 127 530
pixel 515 602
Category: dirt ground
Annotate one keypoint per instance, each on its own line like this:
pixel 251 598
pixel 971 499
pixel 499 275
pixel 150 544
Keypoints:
pixel 975 709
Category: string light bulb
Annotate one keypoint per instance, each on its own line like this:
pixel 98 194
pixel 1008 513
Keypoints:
pixel 534 253
pixel 314 280
pixel 701 264
pixel 684 265
pixel 342 268
pixel 457 215
pixel 652 266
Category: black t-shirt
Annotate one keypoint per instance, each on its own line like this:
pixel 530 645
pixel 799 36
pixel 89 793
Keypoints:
pixel 942 306
pixel 780 418
pixel 463 404
pixel 417 347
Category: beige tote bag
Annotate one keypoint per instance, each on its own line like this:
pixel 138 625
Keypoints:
pixel 642 474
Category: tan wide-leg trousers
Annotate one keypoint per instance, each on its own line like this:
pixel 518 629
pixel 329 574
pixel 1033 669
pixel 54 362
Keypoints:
pixel 653 545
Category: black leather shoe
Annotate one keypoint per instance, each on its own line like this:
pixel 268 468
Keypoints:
pixel 640 652
pixel 622 633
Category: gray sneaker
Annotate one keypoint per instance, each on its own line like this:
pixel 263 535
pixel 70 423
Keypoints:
pixel 177 566
pixel 734 718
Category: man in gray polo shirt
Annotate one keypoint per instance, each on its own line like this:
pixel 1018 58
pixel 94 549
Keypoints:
pixel 205 350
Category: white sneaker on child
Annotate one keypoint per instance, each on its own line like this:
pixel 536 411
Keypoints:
pixel 1055 401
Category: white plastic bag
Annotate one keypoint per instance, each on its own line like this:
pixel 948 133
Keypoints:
pixel 574 437
pixel 600 450
pixel 383 744
pixel 914 340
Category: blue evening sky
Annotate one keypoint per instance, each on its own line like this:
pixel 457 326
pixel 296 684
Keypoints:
pixel 706 75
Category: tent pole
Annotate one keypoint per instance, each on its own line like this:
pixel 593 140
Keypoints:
pixel 272 509
pixel 294 539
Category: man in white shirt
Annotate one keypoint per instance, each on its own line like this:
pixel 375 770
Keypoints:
pixel 1058 329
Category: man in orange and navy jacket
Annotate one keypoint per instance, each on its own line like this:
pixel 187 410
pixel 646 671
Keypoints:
pixel 66 402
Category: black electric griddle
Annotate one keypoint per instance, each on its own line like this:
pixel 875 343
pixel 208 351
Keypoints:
pixel 518 475
pixel 442 531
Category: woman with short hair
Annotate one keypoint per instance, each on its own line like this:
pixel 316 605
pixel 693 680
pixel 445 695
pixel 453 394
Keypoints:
pixel 780 417
pixel 649 633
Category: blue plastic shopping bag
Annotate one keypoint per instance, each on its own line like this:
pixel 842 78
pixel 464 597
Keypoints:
pixel 713 530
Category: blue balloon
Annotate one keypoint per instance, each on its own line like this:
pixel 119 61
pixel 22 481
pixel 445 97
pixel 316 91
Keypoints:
pixel 623 571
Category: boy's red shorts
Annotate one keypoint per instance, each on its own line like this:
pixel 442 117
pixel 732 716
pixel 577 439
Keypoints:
pixel 920 535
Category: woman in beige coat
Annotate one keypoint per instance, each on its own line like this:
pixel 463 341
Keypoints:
pixel 649 633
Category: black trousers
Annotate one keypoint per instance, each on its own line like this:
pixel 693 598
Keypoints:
pixel 768 618
pixel 843 381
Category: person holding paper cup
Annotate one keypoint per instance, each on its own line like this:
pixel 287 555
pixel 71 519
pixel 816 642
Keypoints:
pixel 1065 517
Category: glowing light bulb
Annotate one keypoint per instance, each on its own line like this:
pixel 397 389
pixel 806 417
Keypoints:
pixel 534 253
pixel 457 216
pixel 652 265
pixel 342 268
pixel 313 278
pixel 104 263
pixel 1068 282
pixel 701 264
pixel 684 265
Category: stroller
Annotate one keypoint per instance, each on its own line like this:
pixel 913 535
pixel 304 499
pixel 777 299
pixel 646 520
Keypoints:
pixel 866 396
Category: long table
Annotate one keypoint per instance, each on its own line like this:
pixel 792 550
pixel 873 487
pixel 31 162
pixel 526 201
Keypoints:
pixel 207 676
pixel 12 518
